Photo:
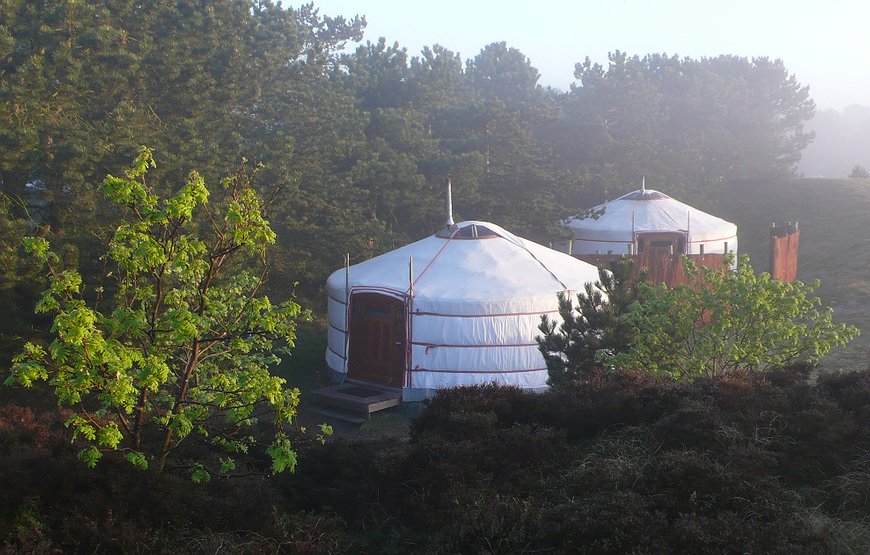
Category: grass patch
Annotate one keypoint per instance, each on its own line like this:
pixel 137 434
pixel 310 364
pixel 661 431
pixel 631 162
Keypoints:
pixel 835 237
pixel 305 366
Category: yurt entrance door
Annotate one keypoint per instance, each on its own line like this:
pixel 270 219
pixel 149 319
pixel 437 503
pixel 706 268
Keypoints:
pixel 377 339
pixel 659 243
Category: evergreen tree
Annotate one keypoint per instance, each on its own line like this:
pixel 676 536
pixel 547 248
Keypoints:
pixel 684 122
pixel 593 329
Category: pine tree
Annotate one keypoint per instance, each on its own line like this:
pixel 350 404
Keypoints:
pixel 593 328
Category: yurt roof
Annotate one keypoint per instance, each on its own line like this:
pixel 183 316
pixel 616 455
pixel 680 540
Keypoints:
pixel 471 263
pixel 648 210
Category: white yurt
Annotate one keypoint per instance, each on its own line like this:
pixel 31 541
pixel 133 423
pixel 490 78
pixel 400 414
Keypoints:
pixel 461 307
pixel 646 220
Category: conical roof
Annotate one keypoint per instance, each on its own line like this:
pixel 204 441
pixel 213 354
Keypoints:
pixel 471 268
pixel 647 210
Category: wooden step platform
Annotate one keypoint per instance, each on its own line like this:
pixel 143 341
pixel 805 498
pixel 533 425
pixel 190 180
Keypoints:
pixel 353 401
pixel 337 414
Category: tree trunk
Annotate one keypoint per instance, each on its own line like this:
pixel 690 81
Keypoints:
pixel 179 400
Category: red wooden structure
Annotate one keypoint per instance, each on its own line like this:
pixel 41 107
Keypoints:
pixel 377 339
pixel 784 243
pixel 663 267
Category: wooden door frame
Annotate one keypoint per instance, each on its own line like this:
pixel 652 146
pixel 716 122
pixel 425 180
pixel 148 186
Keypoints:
pixel 682 236
pixel 393 296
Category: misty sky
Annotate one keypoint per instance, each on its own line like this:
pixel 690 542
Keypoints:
pixel 825 43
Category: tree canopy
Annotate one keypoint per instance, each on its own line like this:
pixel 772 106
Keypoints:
pixel 686 122
pixel 356 144
pixel 359 142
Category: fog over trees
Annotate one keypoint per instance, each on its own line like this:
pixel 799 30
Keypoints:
pixel 356 143
pixel 842 140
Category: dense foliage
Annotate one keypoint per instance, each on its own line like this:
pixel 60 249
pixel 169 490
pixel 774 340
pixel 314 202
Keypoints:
pixel 720 321
pixel 616 463
pixel 681 121
pixel 153 354
pixel 17 272
pixel 727 320
pixel 175 343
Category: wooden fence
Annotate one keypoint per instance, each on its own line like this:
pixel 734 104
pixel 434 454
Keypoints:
pixel 669 269
pixel 666 268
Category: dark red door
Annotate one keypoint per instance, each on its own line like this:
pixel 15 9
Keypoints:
pixel 377 339
pixel 661 243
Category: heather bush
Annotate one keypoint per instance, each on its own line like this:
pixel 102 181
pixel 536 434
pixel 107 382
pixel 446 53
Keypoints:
pixel 620 462
pixel 461 411
pixel 617 462
pixel 51 501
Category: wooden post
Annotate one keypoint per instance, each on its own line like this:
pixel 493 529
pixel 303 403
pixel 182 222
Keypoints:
pixel 784 245
pixel 347 314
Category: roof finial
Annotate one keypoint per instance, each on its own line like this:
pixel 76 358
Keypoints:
pixel 450 221
pixel 643 184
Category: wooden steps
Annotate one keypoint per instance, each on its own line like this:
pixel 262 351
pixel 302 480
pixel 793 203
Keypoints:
pixel 337 414
pixel 353 401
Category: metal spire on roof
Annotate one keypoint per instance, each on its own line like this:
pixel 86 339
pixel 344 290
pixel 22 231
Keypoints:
pixel 643 184
pixel 450 221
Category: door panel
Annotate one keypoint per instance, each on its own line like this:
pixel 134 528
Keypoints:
pixel 661 243
pixel 377 339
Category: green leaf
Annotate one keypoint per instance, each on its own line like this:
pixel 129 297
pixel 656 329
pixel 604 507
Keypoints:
pixel 109 436
pixel 227 466
pixel 90 456
pixel 27 367
pixel 282 454
pixel 325 432
pixel 199 474
pixel 137 459
pixel 39 248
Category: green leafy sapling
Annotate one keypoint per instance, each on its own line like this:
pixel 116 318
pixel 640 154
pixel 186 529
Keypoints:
pixel 725 320
pixel 178 352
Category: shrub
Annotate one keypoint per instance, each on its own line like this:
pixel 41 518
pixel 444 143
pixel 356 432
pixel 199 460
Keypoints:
pixel 617 462
pixel 859 172
pixel 728 320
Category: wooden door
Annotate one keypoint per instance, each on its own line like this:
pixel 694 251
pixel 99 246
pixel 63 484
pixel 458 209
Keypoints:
pixel 661 243
pixel 377 339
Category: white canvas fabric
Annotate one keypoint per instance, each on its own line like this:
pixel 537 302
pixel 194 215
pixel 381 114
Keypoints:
pixel 475 308
pixel 646 210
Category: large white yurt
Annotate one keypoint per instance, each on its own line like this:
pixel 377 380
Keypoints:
pixel 460 307
pixel 645 220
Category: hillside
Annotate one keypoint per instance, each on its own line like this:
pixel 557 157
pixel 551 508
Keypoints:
pixel 834 218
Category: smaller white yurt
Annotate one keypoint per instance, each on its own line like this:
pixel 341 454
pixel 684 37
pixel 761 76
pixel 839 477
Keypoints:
pixel 646 220
pixel 460 307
